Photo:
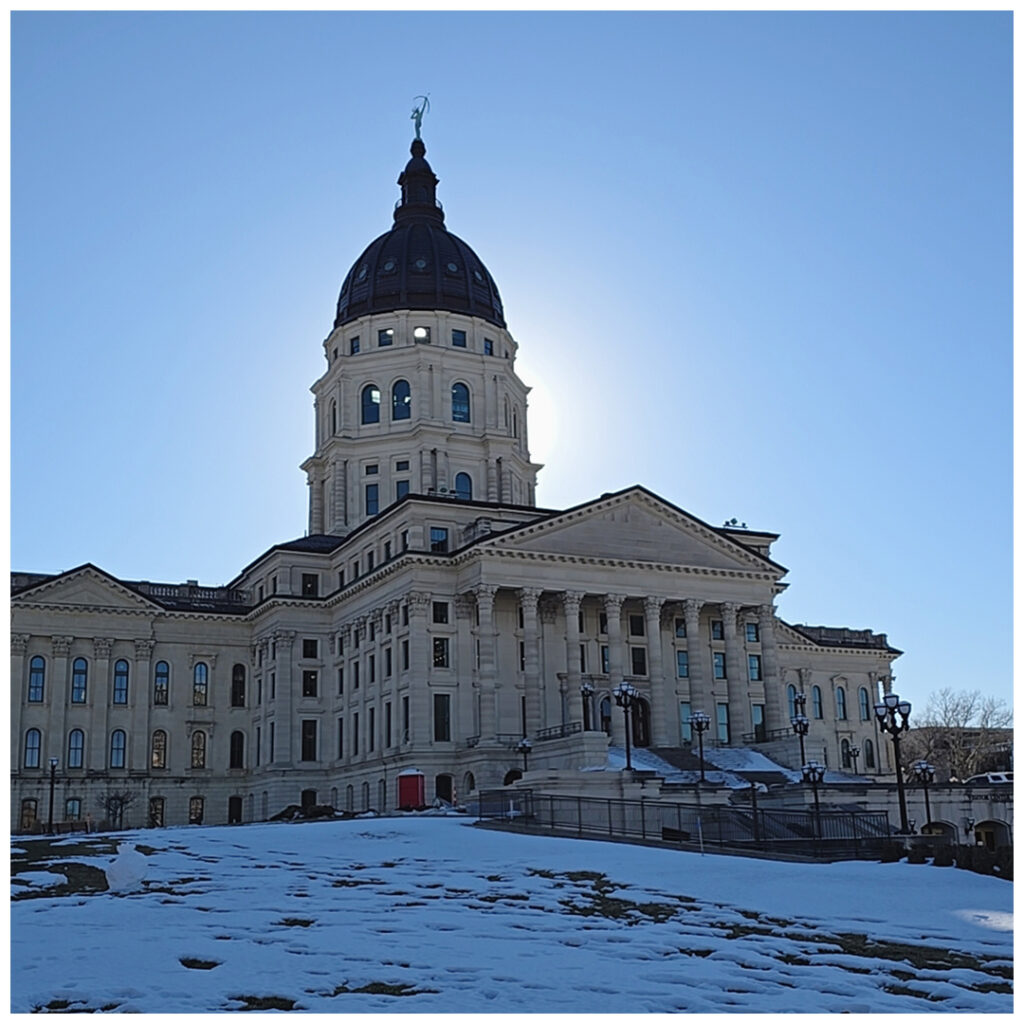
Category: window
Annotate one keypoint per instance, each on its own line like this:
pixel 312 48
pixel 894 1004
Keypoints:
pixel 439 539
pixel 844 753
pixel 199 749
pixel 757 717
pixel 355 675
pixel 371 666
pixel 488 347
pixel 685 728
pixel 334 422
pixel 118 742
pixel 754 667
pixel 385 337
pixel 753 634
pixel 791 700
pixel 816 704
pixel 405 655
pixel 723 722
pixel 79 680
pixel 33 748
pixel 604 659
pixel 460 403
pixel 636 625
pixel 236 750
pixel 441 612
pixel 638 657
pixel 195 808
pixel 371 730
pixel 161 683
pixel 442 718
pixel 200 684
pixel 372 500
pixel 76 748
pixel 717 630
pixel 522 656
pixel 401 401
pixel 310 584
pixel 156 812
pixel 459 338
pixel 341 680
pixel 72 808
pixel 865 705
pixel 238 686
pixel 840 703
pixel 309 683
pixel 683 664
pixel 405 719
pixel 387 724
pixel 273 685
pixel 355 733
pixel 440 652
pixel 718 661
pixel 310 647
pixel 120 695
pixel 371 404
pixel 402 466
pixel 421 335
pixel 29 809
pixel 271 752
pixel 583 657
pixel 680 629
pixel 869 754
pixel 353 345
pixel 36 679
pixel 158 750
pixel 463 487
pixel 401 490
pixel 602 623
pixel 341 738
pixel 387 558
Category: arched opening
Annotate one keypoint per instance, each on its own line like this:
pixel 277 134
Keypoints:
pixel 791 700
pixel 234 810
pixel 640 717
pixel 463 487
pixel 940 828
pixel 401 400
pixel 511 776
pixel 841 703
pixel 371 404
pixel 468 783
pixel 238 686
pixel 308 798
pixel 382 795
pixel 844 753
pixel 869 754
pixel 264 805
pixel 443 787
pixel 334 797
pixel 366 796
pixel 460 403
pixel 606 715
pixel 350 798
pixel 236 750
pixel 992 834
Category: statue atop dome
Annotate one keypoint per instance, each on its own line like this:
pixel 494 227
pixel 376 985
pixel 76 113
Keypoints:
pixel 419 111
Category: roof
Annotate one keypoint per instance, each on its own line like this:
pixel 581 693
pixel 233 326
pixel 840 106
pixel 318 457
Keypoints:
pixel 842 636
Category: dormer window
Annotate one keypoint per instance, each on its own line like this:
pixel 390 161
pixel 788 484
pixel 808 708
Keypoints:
pixel 385 338
pixel 488 347
pixel 459 339
pixel 353 345
pixel 421 335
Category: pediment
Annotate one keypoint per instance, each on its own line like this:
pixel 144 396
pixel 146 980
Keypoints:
pixel 785 634
pixel 87 587
pixel 634 526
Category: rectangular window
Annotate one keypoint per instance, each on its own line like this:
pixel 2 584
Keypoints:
pixel 717 630
pixel 439 539
pixel 310 584
pixel 405 547
pixel 387 663
pixel 522 656
pixel 583 657
pixel 259 690
pixel 309 683
pixel 387 724
pixel 753 636
pixel 371 729
pixel 718 659
pixel 405 655
pixel 156 811
pixel 681 629
pixel 259 744
pixel 355 675
pixel 723 722
pixel 488 347
pixel 341 578
pixel 341 738
pixel 385 338
pixel 683 664
pixel 387 623
pixel 271 758
pixel 604 659
pixel 685 729
pixel 72 808
pixel 579 621
pixel 636 625
pixel 341 680
pixel 369 568
pixel 638 656
pixel 754 667
pixel 273 685
pixel 310 647
pixel 459 338
pixel 371 668
pixel 440 645
pixel 355 734
pixel 372 469
pixel 421 335
pixel 387 551
pixel 405 719
pixel 442 718
pixel 355 568
pixel 309 739
pixel 441 612
pixel 195 810
pixel 372 499
pixel 353 345
pixel 757 717
pixel 402 466
pixel 602 623
pixel 401 490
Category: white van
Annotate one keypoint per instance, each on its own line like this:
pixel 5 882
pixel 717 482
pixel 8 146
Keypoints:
pixel 991 779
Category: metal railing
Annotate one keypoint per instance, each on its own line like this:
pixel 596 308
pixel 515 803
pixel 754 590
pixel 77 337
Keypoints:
pixel 766 735
pixel 556 732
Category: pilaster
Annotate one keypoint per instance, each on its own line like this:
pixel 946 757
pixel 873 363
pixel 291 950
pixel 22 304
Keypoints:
pixel 774 704
pixel 98 701
pixel 139 684
pixel 735 677
pixel 663 715
pixel 487 671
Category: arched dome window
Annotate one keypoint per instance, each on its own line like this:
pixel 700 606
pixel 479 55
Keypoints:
pixel 463 487
pixel 118 743
pixel 844 753
pixel 76 748
pixel 460 403
pixel 334 418
pixel 816 702
pixel 33 745
pixel 865 705
pixel 840 703
pixel 401 400
pixel 371 404
pixel 869 754
pixel 36 679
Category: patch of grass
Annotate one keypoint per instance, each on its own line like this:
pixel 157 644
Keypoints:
pixel 1003 987
pixel 195 964
pixel 295 922
pixel 501 878
pixel 78 878
pixel 384 988
pixel 265 1002
pixel 350 883
pixel 498 897
pixel 921 957
pixel 793 959
pixel 902 990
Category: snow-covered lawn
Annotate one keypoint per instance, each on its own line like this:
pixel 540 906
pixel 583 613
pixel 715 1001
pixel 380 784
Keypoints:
pixel 433 914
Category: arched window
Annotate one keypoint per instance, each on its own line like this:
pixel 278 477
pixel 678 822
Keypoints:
pixel 36 679
pixel 840 703
pixel 515 422
pixel 334 417
pixel 118 743
pixel 196 806
pixel 349 799
pixel 463 487
pixel 158 756
pixel 382 795
pixel 79 680
pixel 199 749
pixel 33 748
pixel 371 404
pixel 401 400
pixel 200 684
pixel 460 403
pixel 791 700
pixel 844 753
pixel 121 681
pixel 238 686
pixel 865 704
pixel 76 748
pixel 161 683
pixel 237 750
pixel 869 754
pixel 816 704
pixel 366 796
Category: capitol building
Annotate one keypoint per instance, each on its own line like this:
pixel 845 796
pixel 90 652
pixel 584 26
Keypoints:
pixel 432 615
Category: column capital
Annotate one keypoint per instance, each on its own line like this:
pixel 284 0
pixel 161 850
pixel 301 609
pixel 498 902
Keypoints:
pixel 283 637
pixel 692 607
pixel 101 646
pixel 548 610
pixel 571 600
pixel 652 605
pixel 766 612
pixel 419 601
pixel 144 649
pixel 613 602
pixel 729 609
pixel 463 606
pixel 19 642
pixel 484 592
pixel 529 596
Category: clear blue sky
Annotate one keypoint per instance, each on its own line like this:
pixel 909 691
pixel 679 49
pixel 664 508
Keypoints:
pixel 759 263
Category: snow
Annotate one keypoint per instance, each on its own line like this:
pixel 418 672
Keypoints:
pixel 476 920
pixel 127 870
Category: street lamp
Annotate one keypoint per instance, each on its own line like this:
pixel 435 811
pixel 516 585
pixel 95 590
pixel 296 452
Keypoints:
pixel 524 746
pixel 886 713
pixel 854 754
pixel 800 722
pixel 701 721
pixel 625 695
pixel 586 692
pixel 969 827
pixel 813 773
pixel 53 782
pixel 926 776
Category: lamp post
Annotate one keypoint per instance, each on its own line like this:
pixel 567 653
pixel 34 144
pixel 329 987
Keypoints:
pixel 625 695
pixel 53 782
pixel 586 693
pixel 854 754
pixel 926 776
pixel 969 827
pixel 800 722
pixel 886 712
pixel 524 746
pixel 701 721
pixel 813 773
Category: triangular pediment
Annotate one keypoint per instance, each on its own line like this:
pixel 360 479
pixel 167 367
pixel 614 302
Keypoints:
pixel 86 587
pixel 635 526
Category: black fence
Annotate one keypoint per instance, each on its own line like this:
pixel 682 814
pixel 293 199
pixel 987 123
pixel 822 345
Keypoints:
pixel 831 835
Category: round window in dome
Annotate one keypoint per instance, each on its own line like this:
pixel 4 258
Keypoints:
pixel 362 273
pixel 478 275
pixel 453 268
pixel 389 266
pixel 420 264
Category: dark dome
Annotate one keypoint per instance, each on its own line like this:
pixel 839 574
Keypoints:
pixel 419 264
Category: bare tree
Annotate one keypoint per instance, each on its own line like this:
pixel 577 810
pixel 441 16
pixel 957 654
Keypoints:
pixel 960 732
pixel 112 803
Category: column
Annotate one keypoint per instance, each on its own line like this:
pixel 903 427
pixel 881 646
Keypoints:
pixel 547 612
pixel 420 731
pixel 571 600
pixel 19 644
pixel 774 703
pixel 528 597
pixel 463 706
pixel 97 696
pixel 284 717
pixel 316 501
pixel 663 710
pixel 138 694
pixel 59 697
pixel 492 481
pixel 735 677
pixel 700 694
pixel 613 612
pixel 487 670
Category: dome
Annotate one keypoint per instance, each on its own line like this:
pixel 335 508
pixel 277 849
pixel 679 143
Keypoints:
pixel 419 263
